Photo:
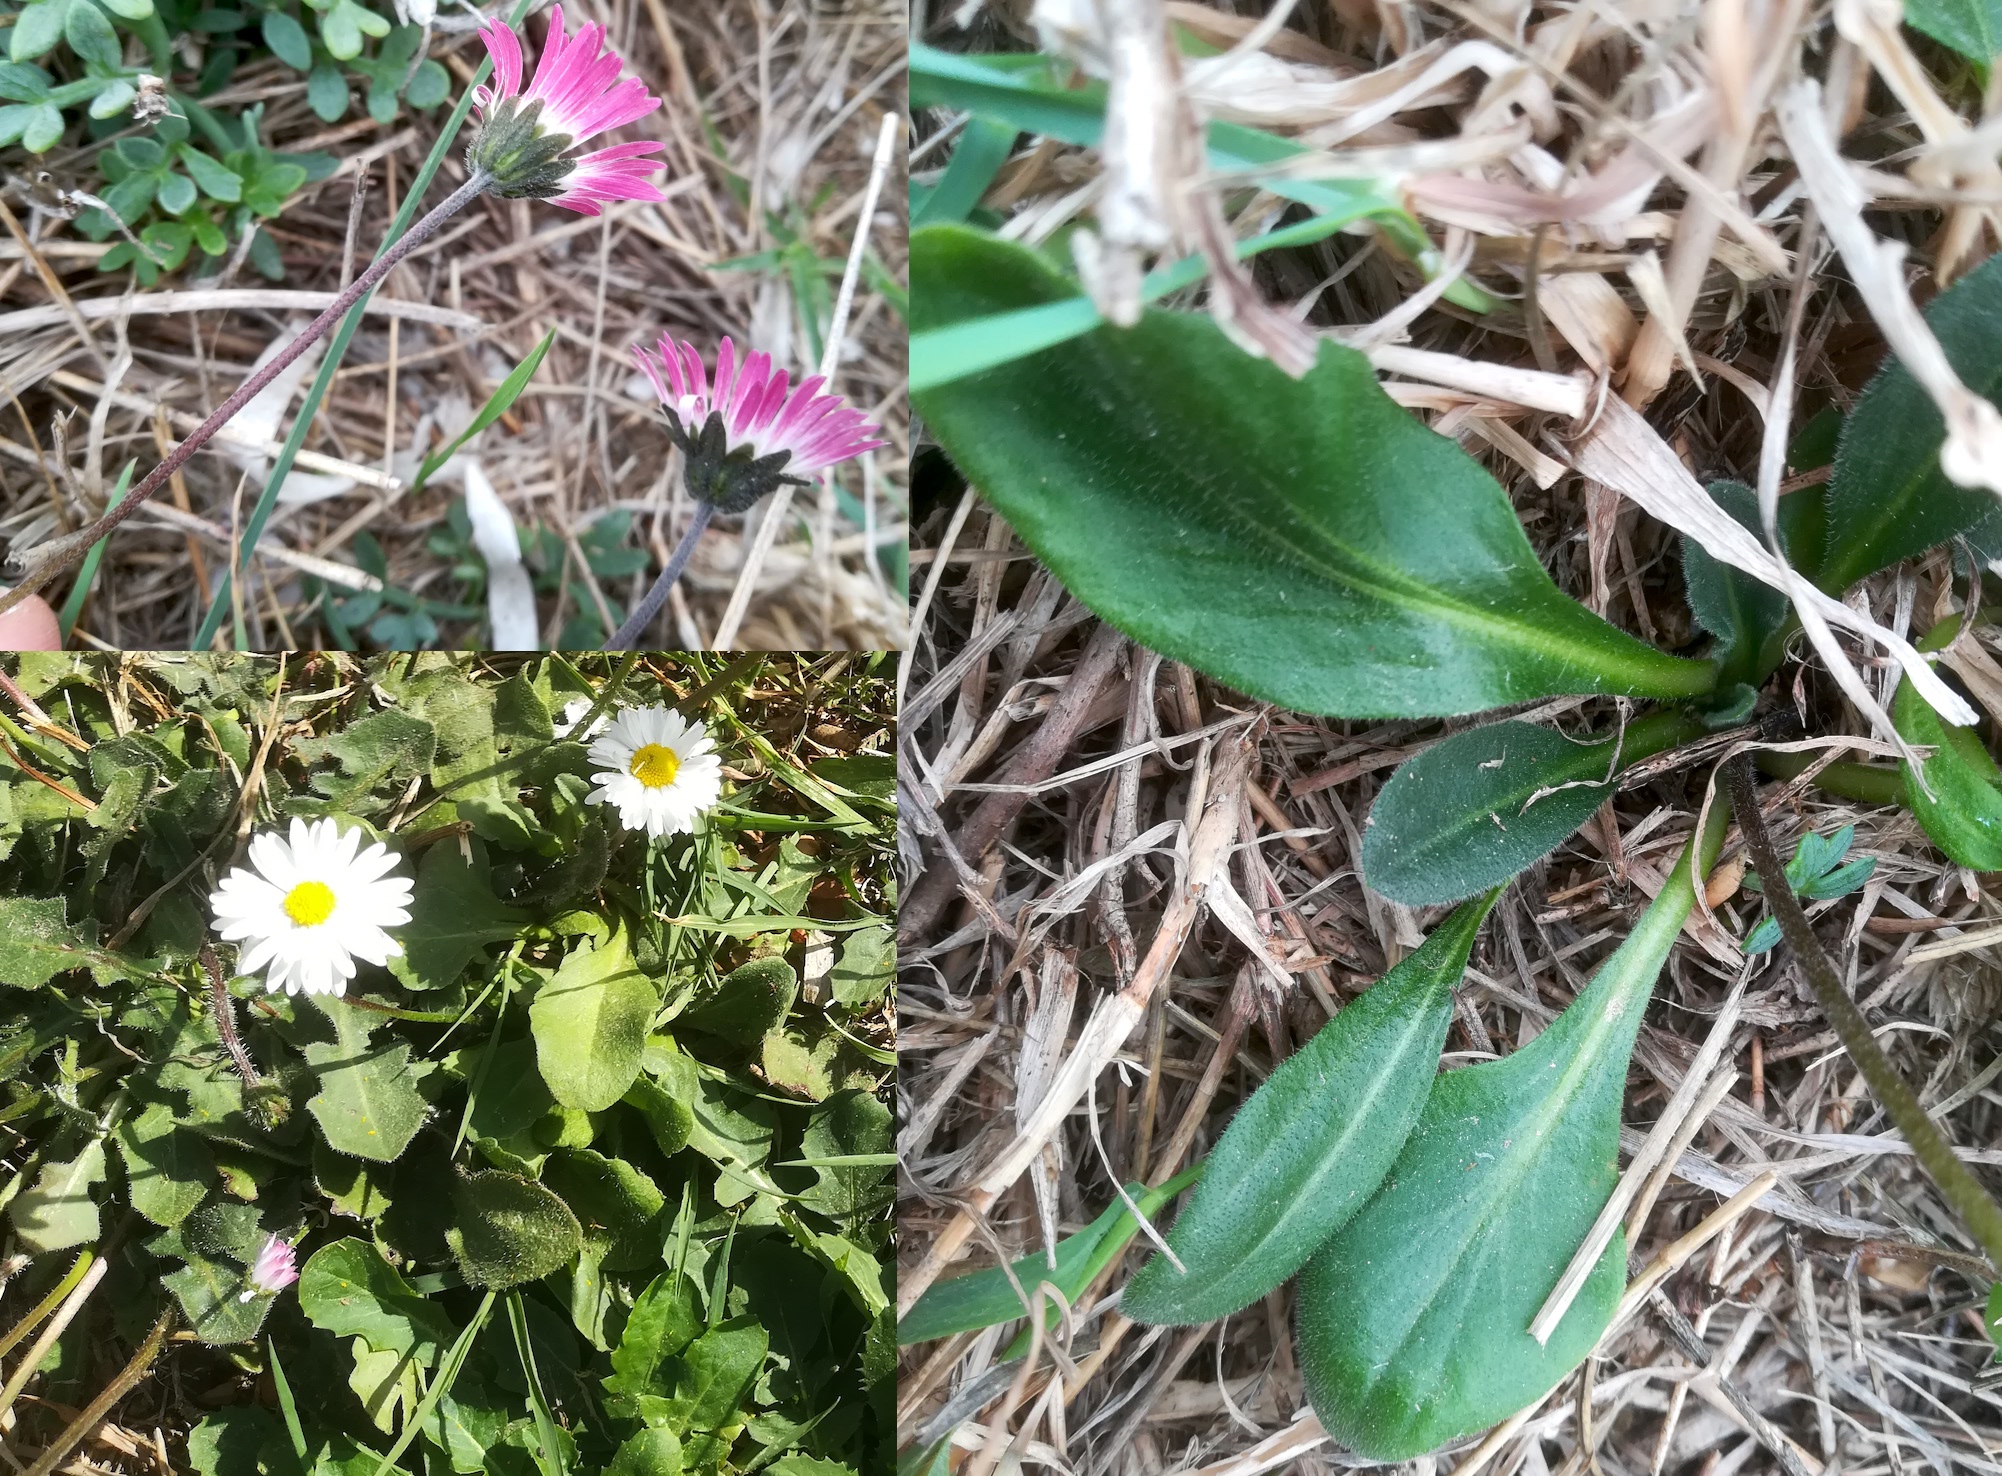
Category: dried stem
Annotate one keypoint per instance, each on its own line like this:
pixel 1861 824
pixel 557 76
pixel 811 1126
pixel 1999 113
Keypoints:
pixel 1977 1210
pixel 64 552
pixel 101 1406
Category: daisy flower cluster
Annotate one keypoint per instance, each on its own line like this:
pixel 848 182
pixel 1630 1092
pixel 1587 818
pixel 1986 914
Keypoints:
pixel 311 906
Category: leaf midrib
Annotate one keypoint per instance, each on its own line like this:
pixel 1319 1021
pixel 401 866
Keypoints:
pixel 1413 595
pixel 1508 1179
pixel 1331 1160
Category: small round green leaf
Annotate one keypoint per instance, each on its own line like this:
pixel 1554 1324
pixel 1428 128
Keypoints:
pixel 288 40
pixel 507 1230
pixel 90 35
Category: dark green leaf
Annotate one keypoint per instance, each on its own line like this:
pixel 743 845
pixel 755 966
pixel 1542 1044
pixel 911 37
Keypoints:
pixel 351 1291
pixel 1971 27
pixel 368 1105
pixel 454 917
pixel 850 1124
pixel 168 1169
pixel 37 944
pixel 1888 499
pixel 1469 813
pixel 1306 541
pixel 211 1296
pixel 507 1230
pixel 1746 615
pixel 617 1206
pixel 1414 1318
pixel 1963 814
pixel 751 1001
pixel 1311 1145
pixel 986 1298
pixel 715 1374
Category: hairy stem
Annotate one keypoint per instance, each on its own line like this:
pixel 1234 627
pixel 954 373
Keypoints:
pixel 627 636
pixel 1961 1190
pixel 62 553
pixel 225 1018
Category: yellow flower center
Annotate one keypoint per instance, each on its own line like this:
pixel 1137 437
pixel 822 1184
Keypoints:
pixel 309 904
pixel 655 766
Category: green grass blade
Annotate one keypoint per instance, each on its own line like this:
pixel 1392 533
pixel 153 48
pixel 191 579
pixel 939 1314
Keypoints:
pixel 497 405
pixel 87 574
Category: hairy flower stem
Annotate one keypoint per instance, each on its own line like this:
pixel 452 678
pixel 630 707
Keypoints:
pixel 61 553
pixel 225 1018
pixel 1961 1190
pixel 627 636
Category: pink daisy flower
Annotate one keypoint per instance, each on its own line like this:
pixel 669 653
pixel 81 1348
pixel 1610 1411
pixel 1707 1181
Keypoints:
pixel 754 428
pixel 527 140
pixel 272 1271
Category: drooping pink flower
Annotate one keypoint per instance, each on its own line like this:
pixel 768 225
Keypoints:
pixel 527 140
pixel 272 1271
pixel 767 424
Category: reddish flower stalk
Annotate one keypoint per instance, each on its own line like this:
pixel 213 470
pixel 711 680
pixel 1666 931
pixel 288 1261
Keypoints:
pixel 525 149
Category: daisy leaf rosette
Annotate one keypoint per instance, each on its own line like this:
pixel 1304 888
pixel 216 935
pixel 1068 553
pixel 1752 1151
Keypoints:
pixel 753 428
pixel 658 770
pixel 527 141
pixel 311 905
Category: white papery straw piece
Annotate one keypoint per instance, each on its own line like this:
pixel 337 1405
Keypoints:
pixel 1626 453
pixel 830 358
pixel 1972 454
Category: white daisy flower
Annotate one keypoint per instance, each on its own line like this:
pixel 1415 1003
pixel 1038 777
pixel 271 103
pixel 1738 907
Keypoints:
pixel 311 906
pixel 660 771
pixel 574 712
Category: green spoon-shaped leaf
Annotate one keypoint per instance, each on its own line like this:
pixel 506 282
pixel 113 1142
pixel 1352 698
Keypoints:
pixel 1414 1318
pixel 1306 541
pixel 1312 1144
pixel 1963 816
pixel 1471 812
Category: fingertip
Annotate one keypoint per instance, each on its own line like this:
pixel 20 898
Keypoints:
pixel 30 626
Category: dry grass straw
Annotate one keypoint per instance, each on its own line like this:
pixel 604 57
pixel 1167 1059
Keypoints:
pixel 785 96
pixel 1181 864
